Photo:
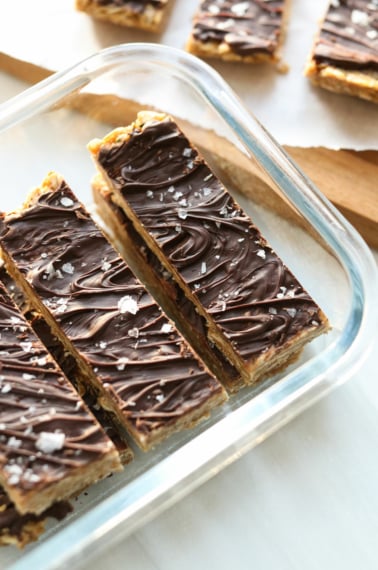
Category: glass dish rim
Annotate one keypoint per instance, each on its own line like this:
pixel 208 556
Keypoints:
pixel 231 436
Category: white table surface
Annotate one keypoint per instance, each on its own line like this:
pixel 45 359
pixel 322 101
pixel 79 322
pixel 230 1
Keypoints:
pixel 307 498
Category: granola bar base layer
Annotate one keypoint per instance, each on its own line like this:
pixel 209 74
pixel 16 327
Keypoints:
pixel 360 84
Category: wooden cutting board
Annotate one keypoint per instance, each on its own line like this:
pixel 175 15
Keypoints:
pixel 348 178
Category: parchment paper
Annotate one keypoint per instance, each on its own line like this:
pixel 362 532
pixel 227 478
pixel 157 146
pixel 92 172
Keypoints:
pixel 51 34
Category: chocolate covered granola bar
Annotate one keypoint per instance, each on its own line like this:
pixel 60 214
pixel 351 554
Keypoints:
pixel 256 312
pixel 250 31
pixel 50 445
pixel 128 353
pixel 344 58
pixel 143 14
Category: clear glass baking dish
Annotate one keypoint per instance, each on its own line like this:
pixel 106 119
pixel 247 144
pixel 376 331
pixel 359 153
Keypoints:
pixel 47 128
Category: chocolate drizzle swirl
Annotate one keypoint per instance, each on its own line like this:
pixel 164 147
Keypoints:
pixel 114 324
pixel 137 6
pixel 45 430
pixel 213 245
pixel 349 35
pixel 246 27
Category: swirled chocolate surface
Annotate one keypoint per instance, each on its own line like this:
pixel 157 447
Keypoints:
pixel 12 523
pixel 137 6
pixel 349 35
pixel 246 27
pixel 112 321
pixel 45 431
pixel 208 239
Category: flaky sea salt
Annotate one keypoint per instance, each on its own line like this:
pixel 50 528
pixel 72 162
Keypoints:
pixel 128 305
pixel 182 214
pixel 214 9
pixel 31 477
pixel 15 472
pixel 261 253
pixel 105 265
pixel 48 442
pixel 27 376
pixel 68 268
pixel 226 24
pixel 14 442
pixel 292 312
pixel 372 34
pixel 122 363
pixel 66 202
pixel 134 333
pixel 360 18
pixel 166 328
pixel 240 9
pixel 177 195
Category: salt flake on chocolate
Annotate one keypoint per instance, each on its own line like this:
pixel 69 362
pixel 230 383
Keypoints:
pixel 66 202
pixel 166 328
pixel 128 305
pixel 105 265
pixel 122 363
pixel 240 9
pixel 68 268
pixel 360 18
pixel 48 442
pixel 372 34
pixel 261 253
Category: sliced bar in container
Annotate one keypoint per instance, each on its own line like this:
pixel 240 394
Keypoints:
pixel 68 365
pixel 143 14
pixel 250 31
pixel 159 282
pixel 344 57
pixel 129 355
pixel 51 446
pixel 19 530
pixel 257 313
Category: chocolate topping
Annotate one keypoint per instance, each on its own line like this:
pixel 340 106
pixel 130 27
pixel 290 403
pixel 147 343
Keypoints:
pixel 208 239
pixel 12 523
pixel 45 430
pixel 349 35
pixel 137 6
pixel 246 27
pixel 111 320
